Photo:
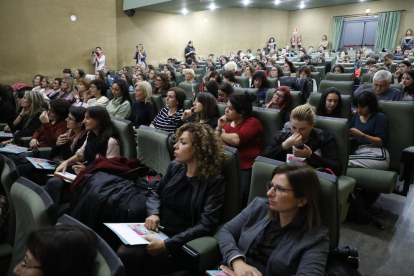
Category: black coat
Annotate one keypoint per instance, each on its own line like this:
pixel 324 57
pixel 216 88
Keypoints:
pixel 318 139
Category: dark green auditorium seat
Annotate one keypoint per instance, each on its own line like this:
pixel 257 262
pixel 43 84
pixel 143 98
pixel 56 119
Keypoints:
pixel 346 104
pixel 340 76
pixel 344 87
pixel 126 137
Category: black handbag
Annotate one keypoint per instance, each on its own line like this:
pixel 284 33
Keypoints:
pixel 343 261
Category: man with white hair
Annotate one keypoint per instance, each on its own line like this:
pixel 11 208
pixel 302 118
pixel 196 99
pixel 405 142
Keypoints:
pixel 381 87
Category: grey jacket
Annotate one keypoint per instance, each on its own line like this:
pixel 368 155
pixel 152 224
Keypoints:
pixel 295 254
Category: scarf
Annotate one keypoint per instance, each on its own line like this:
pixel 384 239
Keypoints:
pixel 93 148
pixel 98 57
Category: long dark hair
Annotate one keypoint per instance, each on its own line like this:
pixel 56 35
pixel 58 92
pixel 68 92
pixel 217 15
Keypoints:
pixel 260 75
pixel 106 128
pixel 123 85
pixel 409 89
pixel 305 184
pixel 242 103
pixel 212 87
pixel 321 108
pixel 209 106
pixel 367 98
pixel 61 109
pixel 64 250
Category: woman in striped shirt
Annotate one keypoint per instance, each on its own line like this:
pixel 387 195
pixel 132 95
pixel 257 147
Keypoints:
pixel 168 119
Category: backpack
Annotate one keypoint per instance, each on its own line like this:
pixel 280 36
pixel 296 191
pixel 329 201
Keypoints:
pixel 290 82
pixel 305 87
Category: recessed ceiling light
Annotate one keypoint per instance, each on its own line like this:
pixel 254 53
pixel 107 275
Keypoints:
pixel 302 5
pixel 246 2
pixel 205 20
pixel 277 2
pixel 367 10
pixel 212 6
pixel 73 18
pixel 184 11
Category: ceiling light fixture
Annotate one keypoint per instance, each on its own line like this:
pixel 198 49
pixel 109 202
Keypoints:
pixel 277 2
pixel 73 18
pixel 212 6
pixel 184 11
pixel 246 2
pixel 367 11
pixel 302 5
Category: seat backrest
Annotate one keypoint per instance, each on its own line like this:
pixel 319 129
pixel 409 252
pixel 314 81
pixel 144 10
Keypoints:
pixel 199 79
pixel 370 85
pixel 157 100
pixel 340 131
pixel 126 137
pixel 250 90
pixel 191 89
pixel 153 148
pixel 132 97
pixel 271 122
pixel 109 262
pixel 243 81
pixel 344 87
pixel 328 200
pixel 273 82
pixel 321 69
pixel 179 77
pixel 188 103
pixel 350 70
pixel 152 82
pixel 317 77
pixel 400 117
pixel 364 70
pixel 340 76
pixel 34 209
pixel 346 64
pixel 173 84
pixel 199 71
pixel 232 174
pixel 221 108
pixel 298 65
pixel 9 175
pixel 314 99
pixel 365 78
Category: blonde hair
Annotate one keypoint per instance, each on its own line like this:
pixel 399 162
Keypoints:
pixel 146 88
pixel 71 85
pixel 191 72
pixel 304 112
pixel 142 47
pixel 36 100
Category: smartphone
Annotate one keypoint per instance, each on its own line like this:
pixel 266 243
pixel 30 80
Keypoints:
pixel 137 46
pixel 299 146
pixel 52 163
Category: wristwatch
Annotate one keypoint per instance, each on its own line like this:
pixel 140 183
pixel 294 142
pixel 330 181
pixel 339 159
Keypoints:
pixel 219 130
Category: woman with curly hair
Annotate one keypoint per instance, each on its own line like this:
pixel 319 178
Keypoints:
pixel 186 202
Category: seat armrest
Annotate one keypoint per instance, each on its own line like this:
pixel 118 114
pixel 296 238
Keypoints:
pixel 406 170
pixel 45 152
pixel 201 254
pixel 26 141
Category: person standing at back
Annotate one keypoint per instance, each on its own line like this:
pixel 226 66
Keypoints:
pixel 190 51
pixel 98 58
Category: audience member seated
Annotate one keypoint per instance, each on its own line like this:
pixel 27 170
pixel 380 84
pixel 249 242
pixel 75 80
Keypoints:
pixel 276 71
pixel 54 93
pixel 290 67
pixel 228 76
pixel 321 60
pixel 65 147
pixel 408 85
pixel 66 89
pixel 169 70
pixel 189 76
pixel 346 59
pixel 152 74
pixel 342 54
pixel 211 87
pixel 141 110
pixel 168 119
pixel 67 73
pixel 224 92
pixel 60 250
pixel 204 111
pixel 381 87
pixel 338 69
pixel 100 75
pixel 27 122
pixel 372 70
pixel 96 89
pixel 46 86
pixel 281 235
pixel 162 84
pixel 232 66
pixel 7 109
pixel 330 103
pixel 192 182
pixel 101 140
pixel 262 66
pixel 82 94
pixel 402 67
pixel 370 128
pixel 261 83
pixel 244 132
pixel 305 72
pixel 249 72
pixel 128 78
pixel 319 146
pixel 120 105
pixel 37 83
pixel 142 77
pixel 215 76
pixel 388 59
pixel 194 64
pixel 281 100
pixel 79 74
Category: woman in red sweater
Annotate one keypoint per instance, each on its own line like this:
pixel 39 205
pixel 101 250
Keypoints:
pixel 244 133
pixel 53 124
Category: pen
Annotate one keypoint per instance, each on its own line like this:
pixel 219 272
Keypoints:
pixel 160 227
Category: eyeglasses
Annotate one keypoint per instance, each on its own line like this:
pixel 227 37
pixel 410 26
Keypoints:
pixel 276 188
pixel 25 265
pixel 273 70
pixel 379 85
pixel 278 95
pixel 158 80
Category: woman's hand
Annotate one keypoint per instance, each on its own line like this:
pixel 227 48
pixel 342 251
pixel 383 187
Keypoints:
pixel 24 111
pixel 290 142
pixel 44 118
pixel 78 167
pixel 222 122
pixel 151 222
pixel 87 95
pixel 227 270
pixel 305 153
pixel 242 269
pixel 156 246
pixel 188 113
pixel 62 139
pixel 33 143
pixel 62 167
pixel 356 132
